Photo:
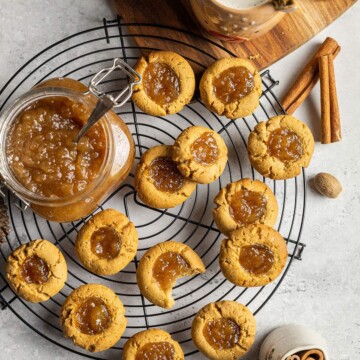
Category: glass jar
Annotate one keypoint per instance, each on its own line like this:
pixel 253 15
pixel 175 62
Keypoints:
pixel 118 153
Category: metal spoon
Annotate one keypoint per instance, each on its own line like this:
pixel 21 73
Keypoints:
pixel 107 102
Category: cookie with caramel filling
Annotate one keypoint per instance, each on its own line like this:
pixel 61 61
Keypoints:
pixel 158 181
pixel 152 344
pixel 201 154
pixel 253 255
pixel 161 266
pixel 36 271
pixel 224 330
pixel 244 202
pixel 93 317
pixel 168 83
pixel 107 242
pixel 231 87
pixel 280 147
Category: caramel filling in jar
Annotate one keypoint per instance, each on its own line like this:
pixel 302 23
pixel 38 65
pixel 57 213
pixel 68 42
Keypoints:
pixel 156 351
pixel 105 243
pixel 233 84
pixel 221 333
pixel 168 267
pixel 92 317
pixel 247 207
pixel 204 150
pixel 256 259
pixel 41 152
pixel 161 83
pixel 285 145
pixel 34 270
pixel 165 175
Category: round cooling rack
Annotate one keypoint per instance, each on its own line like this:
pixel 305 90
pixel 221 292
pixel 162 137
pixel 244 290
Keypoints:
pixel 80 56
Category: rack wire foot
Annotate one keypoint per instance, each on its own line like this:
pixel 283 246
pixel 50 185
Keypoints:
pixel 3 303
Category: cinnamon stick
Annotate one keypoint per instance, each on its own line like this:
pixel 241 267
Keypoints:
pixel 308 77
pixel 311 355
pixel 330 116
pixel 334 104
pixel 325 99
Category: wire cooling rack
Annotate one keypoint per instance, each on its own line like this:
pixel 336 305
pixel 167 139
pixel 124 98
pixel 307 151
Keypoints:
pixel 80 56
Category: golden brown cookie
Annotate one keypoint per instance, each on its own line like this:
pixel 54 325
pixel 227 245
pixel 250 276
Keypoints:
pixel 152 344
pixel 244 202
pixel 254 255
pixel 93 317
pixel 107 242
pixel 168 83
pixel 36 271
pixel 200 153
pixel 231 87
pixel 224 330
pixel 280 147
pixel 158 181
pixel 160 267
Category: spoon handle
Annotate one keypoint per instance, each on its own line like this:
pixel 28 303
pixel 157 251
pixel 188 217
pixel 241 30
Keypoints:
pixel 106 101
pixel 104 104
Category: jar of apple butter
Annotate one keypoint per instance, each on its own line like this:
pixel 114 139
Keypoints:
pixel 62 180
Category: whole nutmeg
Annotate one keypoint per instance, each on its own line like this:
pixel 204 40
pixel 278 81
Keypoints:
pixel 327 185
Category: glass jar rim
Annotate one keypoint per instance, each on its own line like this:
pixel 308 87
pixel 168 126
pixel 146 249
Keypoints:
pixel 11 113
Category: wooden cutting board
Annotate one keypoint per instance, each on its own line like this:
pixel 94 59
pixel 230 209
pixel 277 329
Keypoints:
pixel 294 30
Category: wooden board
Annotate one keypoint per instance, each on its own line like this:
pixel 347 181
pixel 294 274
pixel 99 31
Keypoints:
pixel 294 30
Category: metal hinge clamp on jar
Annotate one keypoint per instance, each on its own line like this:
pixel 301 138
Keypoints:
pixel 106 101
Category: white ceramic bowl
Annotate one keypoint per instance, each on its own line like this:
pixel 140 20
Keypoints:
pixel 288 340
